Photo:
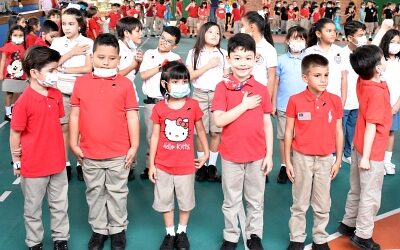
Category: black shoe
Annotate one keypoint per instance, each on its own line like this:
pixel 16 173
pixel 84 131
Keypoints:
pixel 365 244
pixel 182 241
pixel 227 245
pixel 145 35
pixel 69 172
pixel 96 242
pixel 266 179
pixel 190 36
pixel 36 247
pixel 168 243
pixel 202 174
pixel 254 243
pixel 118 241
pixel 60 245
pixel 295 246
pixel 212 175
pixel 131 176
pixel 283 33
pixel 282 177
pixel 370 39
pixel 346 230
pixel 323 246
pixel 152 35
pixel 7 118
pixel 79 172
pixel 145 174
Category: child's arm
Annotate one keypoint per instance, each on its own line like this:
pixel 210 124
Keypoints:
pixel 339 149
pixel 289 129
pixel 269 139
pixel 74 134
pixel 194 74
pixel 271 80
pixel 15 148
pixel 275 94
pixel 2 63
pixel 343 88
pixel 150 72
pixel 132 118
pixel 223 118
pixel 201 134
pixel 135 64
pixel 369 136
pixel 155 135
pixel 80 70
pixel 386 25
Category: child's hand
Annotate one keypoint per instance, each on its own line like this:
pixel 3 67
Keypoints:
pixel 290 171
pixel 130 156
pixel 78 153
pixel 152 174
pixel 267 165
pixel 17 152
pixel 251 102
pixel 364 164
pixel 17 172
pixel 139 56
pixel 79 49
pixel 199 162
pixel 335 169
pixel 214 62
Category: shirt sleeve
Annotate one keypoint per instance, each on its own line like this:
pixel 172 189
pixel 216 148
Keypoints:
pixel 19 116
pixel 130 99
pixel 6 48
pixel 279 68
pixel 155 116
pixel 291 108
pixel 375 104
pixel 339 108
pixel 219 100
pixel 189 59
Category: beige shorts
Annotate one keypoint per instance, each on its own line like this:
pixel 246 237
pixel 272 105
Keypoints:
pixel 281 123
pixel 167 186
pixel 205 99
pixel 67 109
pixel 14 86
pixel 192 22
pixel 370 27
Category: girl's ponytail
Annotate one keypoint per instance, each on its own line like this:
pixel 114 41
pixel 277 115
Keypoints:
pixel 318 26
pixel 262 25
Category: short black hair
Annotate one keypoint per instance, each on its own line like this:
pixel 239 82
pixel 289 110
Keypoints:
pixel 91 11
pixel 173 70
pixel 173 31
pixel 243 41
pixel 183 20
pixel 106 39
pixel 37 57
pixel 351 27
pixel 53 12
pixel 49 26
pixel 116 5
pixel 364 60
pixel 313 60
pixel 129 24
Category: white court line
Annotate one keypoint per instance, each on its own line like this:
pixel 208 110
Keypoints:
pixel 3 123
pixel 17 181
pixel 4 196
pixel 242 222
pixel 377 218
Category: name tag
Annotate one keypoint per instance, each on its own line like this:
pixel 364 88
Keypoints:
pixel 304 116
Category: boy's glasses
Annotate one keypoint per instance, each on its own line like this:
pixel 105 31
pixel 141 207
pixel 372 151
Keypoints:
pixel 165 40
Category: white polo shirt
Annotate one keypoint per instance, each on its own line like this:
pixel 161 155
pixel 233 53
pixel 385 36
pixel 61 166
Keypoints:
pixel 352 77
pixel 266 57
pixel 391 77
pixel 151 59
pixel 335 58
pixel 127 56
pixel 213 76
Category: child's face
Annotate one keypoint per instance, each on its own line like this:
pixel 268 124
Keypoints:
pixel 317 79
pixel 242 63
pixel 291 7
pixel 41 74
pixel 354 38
pixel 135 35
pixel 327 34
pixel 115 8
pixel 132 4
pixel 168 85
pixel 212 36
pixel 37 28
pixel 137 7
pixel 22 22
pixel 166 42
pixel 50 36
pixel 106 57
pixel 18 34
pixel 297 40
pixel 55 18
pixel 70 26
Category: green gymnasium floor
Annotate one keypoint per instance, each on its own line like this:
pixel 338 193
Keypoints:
pixel 146 229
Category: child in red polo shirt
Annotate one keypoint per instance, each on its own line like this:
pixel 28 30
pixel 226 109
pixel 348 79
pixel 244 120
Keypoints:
pixel 313 133
pixel 49 32
pixel 159 20
pixel 220 13
pixel 33 28
pixel 183 27
pixel 95 24
pixel 37 148
pixel 172 163
pixel 193 17
pixel 104 136
pixel 114 16
pixel 242 102
pixel 370 142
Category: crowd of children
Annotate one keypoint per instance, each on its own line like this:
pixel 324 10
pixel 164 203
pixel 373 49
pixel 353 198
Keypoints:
pixel 82 96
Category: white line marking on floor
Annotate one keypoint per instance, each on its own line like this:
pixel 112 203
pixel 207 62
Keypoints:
pixel 17 181
pixel 4 196
pixel 377 218
pixel 242 222
pixel 3 123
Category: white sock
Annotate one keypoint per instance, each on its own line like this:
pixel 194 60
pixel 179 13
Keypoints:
pixel 181 229
pixel 78 164
pixel 283 165
pixel 68 164
pixel 213 158
pixel 388 157
pixel 8 110
pixel 171 230
pixel 200 154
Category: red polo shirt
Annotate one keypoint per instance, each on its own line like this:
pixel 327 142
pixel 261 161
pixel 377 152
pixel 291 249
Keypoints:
pixel 41 42
pixel 114 18
pixel 133 12
pixel 93 25
pixel 242 10
pixel 179 6
pixel 236 14
pixel 203 13
pixel 305 12
pixel 243 140
pixel 315 122
pixel 374 108
pixel 103 103
pixel 150 12
pixel 37 118
pixel 30 40
pixel 160 10
pixel 220 13
pixel 291 14
pixel 193 11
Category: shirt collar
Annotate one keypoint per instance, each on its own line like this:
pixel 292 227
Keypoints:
pixel 311 97
pixel 381 84
pixel 215 49
pixel 51 93
pixel 104 78
pixel 249 81
pixel 299 57
pixel 318 48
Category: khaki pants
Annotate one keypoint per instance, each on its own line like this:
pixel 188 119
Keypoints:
pixel 113 32
pixel 205 99
pixel 237 25
pixel 239 179
pixel 305 23
pixel 106 194
pixel 149 30
pixel 311 187
pixel 276 23
pixel 364 198
pixel 159 25
pixel 290 24
pixel 370 28
pixel 34 190
pixel 221 24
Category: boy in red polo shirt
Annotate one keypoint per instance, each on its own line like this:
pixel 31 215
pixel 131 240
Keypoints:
pixel 114 16
pixel 220 13
pixel 159 20
pixel 242 102
pixel 370 141
pixel 95 24
pixel 104 136
pixel 37 148
pixel 49 32
pixel 313 133
pixel 193 17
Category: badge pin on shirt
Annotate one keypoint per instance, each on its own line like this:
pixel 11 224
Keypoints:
pixel 338 58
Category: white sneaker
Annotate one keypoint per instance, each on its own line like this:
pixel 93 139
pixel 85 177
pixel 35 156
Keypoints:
pixel 347 159
pixel 389 168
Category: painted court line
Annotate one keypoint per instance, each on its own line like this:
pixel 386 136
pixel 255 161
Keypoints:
pixel 17 181
pixel 3 123
pixel 4 196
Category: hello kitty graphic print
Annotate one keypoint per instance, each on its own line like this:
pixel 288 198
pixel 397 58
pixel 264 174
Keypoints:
pixel 175 149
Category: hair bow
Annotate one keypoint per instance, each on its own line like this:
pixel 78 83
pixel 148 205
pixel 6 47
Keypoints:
pixel 166 61
pixel 182 122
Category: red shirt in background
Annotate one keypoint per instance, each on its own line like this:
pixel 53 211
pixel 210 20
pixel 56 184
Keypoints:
pixel 124 10
pixel 236 14
pixel 321 12
pixel 305 12
pixel 203 13
pixel 134 13
pixel 41 42
pixel 160 10
pixel 30 40
pixel 193 11
pixel 183 28
pixel 114 18
pixel 14 56
pixel 94 26
pixel 220 13
pixel 291 15
pixel 316 16
pixel 179 5
pixel 150 12
pixel 242 10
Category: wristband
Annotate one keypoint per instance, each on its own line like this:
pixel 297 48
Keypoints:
pixel 17 165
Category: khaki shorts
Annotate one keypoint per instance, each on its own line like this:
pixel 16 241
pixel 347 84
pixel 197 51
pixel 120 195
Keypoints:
pixel 14 86
pixel 281 124
pixel 192 22
pixel 370 27
pixel 67 109
pixel 167 186
pixel 205 99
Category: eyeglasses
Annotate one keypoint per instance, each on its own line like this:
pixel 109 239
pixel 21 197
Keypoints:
pixel 165 40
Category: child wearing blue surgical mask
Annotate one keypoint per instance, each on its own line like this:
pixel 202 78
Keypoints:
pixel 172 165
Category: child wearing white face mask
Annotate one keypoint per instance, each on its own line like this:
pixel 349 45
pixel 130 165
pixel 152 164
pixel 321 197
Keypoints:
pixel 11 71
pixel 288 77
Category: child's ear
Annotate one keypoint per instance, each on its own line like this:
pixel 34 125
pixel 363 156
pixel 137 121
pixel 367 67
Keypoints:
pixel 164 84
pixel 304 77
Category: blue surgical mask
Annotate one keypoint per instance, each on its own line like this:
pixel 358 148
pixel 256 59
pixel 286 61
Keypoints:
pixel 179 90
pixel 50 80
pixel 131 44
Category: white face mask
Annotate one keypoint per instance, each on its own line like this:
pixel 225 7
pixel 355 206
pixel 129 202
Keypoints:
pixel 361 41
pixel 179 90
pixel 50 80
pixel 131 44
pixel 17 39
pixel 102 72
pixel 394 48
pixel 297 46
